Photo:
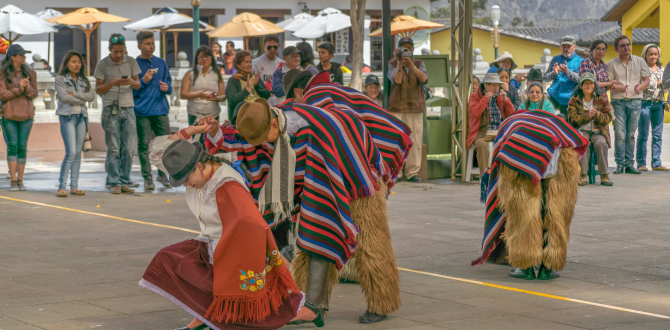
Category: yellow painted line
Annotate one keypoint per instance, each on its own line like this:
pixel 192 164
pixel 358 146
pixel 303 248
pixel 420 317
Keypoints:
pixel 502 287
pixel 101 215
pixel 621 309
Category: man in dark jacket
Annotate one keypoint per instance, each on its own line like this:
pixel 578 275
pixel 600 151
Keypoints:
pixel 291 61
pixel 326 53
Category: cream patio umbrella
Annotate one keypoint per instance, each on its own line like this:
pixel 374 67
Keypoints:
pixel 161 20
pixel 87 19
pixel 245 25
pixel 14 20
pixel 406 26
pixel 327 21
pixel 296 22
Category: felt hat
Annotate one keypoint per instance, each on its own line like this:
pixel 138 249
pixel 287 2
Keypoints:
pixel 535 75
pixel 492 78
pixel 253 121
pixel 180 159
pixel 503 56
pixel 291 79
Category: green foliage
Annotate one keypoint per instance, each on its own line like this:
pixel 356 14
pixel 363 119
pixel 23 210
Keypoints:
pixel 441 12
pixel 516 21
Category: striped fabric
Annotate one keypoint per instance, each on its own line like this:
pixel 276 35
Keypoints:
pixel 390 134
pixel 336 162
pixel 525 143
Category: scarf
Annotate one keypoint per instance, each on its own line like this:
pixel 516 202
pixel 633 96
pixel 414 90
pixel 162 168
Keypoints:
pixel 276 194
pixel 253 96
pixel 494 114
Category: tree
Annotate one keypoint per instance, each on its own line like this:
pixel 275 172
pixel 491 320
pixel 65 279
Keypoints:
pixel 442 12
pixel 528 23
pixel 358 28
pixel 516 21
pixel 479 5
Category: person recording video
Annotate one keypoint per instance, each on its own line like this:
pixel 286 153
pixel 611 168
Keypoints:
pixel 407 99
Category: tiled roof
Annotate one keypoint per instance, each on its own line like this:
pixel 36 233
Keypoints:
pixel 586 31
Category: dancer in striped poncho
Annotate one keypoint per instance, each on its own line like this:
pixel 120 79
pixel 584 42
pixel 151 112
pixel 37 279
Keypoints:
pixel 530 192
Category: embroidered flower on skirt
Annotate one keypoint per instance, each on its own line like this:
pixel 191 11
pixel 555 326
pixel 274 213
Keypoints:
pixel 252 281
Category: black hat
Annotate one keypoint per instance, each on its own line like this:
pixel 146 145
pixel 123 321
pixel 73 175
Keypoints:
pixel 535 75
pixel 372 79
pixel 180 159
pixel 327 46
pixel 16 49
pixel 405 41
pixel 291 79
pixel 290 50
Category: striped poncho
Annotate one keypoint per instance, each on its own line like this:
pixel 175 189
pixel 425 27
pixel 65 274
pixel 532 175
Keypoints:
pixel 336 162
pixel 526 142
pixel 390 134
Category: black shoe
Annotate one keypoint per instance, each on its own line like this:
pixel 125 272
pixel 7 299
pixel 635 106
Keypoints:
pixel 526 274
pixel 620 169
pixel 132 184
pixel 149 184
pixel 200 327
pixel 415 179
pixel 164 179
pixel 632 170
pixel 319 320
pixel 547 274
pixel 370 318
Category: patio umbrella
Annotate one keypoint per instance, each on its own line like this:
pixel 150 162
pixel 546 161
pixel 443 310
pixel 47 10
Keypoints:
pixel 45 15
pixel 406 26
pixel 296 22
pixel 175 29
pixel 15 20
pixel 162 20
pixel 245 25
pixel 87 19
pixel 327 21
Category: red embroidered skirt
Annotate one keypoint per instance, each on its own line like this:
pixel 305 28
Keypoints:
pixel 182 273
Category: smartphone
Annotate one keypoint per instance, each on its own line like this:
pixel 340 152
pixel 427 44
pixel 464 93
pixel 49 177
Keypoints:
pixel 124 77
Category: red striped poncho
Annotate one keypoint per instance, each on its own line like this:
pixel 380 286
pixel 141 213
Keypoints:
pixel 525 143
pixel 336 162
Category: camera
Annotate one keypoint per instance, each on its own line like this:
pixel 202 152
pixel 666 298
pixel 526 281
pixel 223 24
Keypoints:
pixel 404 52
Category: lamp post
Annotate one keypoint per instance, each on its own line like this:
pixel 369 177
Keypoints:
pixel 196 26
pixel 495 17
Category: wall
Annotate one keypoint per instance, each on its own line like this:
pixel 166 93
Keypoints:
pixel 611 53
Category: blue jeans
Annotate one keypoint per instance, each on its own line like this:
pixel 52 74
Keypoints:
pixel 121 137
pixel 16 135
pixel 651 112
pixel 627 116
pixel 73 130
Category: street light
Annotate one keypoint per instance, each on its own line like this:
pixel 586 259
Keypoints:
pixel 196 27
pixel 495 17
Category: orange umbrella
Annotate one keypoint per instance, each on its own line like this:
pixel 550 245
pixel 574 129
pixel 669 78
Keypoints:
pixel 245 25
pixel 406 26
pixel 84 17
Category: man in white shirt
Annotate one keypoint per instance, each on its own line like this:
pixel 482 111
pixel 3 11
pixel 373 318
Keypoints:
pixel 266 65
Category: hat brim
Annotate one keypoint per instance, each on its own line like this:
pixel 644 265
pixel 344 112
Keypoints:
pixel 295 81
pixel 568 43
pixel 261 138
pixel 292 53
pixel 194 160
pixel 514 66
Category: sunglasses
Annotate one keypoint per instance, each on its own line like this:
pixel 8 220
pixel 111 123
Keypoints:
pixel 272 47
pixel 116 39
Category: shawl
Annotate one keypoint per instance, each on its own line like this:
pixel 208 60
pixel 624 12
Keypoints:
pixel 336 162
pixel 253 96
pixel 277 192
pixel 390 134
pixel 525 143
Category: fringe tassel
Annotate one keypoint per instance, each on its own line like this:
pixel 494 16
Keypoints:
pixel 240 308
pixel 365 191
pixel 485 254
pixel 280 210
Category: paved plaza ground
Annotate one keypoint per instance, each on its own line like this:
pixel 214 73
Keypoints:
pixel 66 265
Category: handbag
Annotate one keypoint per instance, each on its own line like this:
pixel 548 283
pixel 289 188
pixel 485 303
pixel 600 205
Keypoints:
pixel 87 142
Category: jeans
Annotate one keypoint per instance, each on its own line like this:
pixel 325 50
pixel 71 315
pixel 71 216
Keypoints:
pixel 16 135
pixel 650 112
pixel 192 121
pixel 627 116
pixel 120 137
pixel 73 129
pixel 158 125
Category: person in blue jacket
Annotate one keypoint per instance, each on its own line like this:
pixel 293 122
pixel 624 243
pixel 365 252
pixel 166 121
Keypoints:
pixel 151 105
pixel 291 57
pixel 563 70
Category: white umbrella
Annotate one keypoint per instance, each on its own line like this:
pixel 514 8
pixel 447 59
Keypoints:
pixel 15 20
pixel 327 21
pixel 296 22
pixel 45 15
pixel 164 18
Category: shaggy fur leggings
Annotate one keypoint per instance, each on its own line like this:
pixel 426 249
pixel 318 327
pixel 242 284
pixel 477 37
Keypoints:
pixel 538 229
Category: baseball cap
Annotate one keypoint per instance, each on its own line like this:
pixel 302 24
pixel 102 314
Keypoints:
pixel 568 40
pixel 372 79
pixel 405 41
pixel 327 46
pixel 16 49
pixel 290 50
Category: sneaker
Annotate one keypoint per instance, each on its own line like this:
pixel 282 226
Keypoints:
pixel 126 190
pixel 415 179
pixel 149 184
pixel 632 170
pixel 620 169
pixel 526 274
pixel 661 168
pixel 21 186
pixel 547 274
pixel 643 168
pixel 605 180
pixel 116 190
pixel 14 186
pixel 133 184
pixel 166 182
pixel 583 180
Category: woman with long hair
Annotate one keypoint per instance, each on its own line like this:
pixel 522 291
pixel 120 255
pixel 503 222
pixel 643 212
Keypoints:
pixel 651 112
pixel 536 100
pixel 18 89
pixel 307 57
pixel 244 84
pixel 73 90
pixel 591 113
pixel 596 65
pixel 218 56
pixel 203 87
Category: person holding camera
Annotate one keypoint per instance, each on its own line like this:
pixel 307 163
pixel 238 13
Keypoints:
pixel 116 77
pixel 407 100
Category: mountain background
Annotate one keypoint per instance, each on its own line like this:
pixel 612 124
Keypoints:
pixel 529 12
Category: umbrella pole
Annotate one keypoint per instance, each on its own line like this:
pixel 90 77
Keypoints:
pixel 49 49
pixel 175 46
pixel 88 46
pixel 246 43
pixel 163 46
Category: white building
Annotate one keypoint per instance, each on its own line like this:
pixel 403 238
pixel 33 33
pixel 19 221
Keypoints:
pixel 213 12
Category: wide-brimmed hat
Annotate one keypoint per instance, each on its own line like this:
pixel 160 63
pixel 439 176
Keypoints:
pixel 291 79
pixel 535 75
pixel 503 56
pixel 253 121
pixel 491 78
pixel 180 159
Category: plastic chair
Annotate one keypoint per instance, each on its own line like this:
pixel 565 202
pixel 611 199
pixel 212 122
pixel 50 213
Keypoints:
pixel 471 169
pixel 593 161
